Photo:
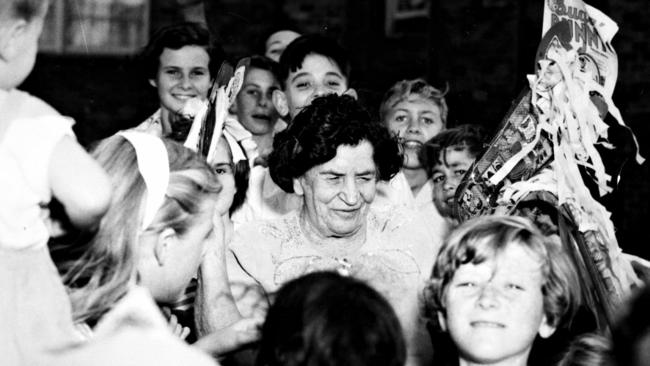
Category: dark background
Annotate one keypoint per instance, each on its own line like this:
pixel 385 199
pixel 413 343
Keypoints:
pixel 481 49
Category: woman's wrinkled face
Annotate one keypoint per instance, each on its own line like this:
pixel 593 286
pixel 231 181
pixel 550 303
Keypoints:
pixel 337 193
pixel 183 74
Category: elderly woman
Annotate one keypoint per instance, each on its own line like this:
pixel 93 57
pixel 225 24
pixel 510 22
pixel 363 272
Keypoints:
pixel 332 156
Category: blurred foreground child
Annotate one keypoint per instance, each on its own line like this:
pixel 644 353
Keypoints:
pixel 39 160
pixel 324 319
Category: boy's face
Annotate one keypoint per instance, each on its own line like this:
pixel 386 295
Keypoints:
pixel 415 121
pixel 450 169
pixel 495 309
pixel 318 76
pixel 254 105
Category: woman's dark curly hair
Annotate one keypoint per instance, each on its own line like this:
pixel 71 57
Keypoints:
pixel 325 319
pixel 319 129
pixel 175 37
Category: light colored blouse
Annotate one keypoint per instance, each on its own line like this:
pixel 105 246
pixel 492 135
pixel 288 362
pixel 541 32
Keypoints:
pixel 396 259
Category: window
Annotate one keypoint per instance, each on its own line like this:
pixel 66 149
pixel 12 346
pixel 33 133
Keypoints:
pixel 95 26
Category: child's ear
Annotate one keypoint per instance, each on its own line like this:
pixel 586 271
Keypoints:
pixel 442 321
pixel 545 328
pixel 351 92
pixel 11 39
pixel 297 186
pixel 161 250
pixel 280 102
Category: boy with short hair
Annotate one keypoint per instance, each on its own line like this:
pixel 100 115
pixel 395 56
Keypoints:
pixel 497 283
pixel 253 107
pixel 446 158
pixel 311 66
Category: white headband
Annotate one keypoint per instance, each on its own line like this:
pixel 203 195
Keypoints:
pixel 153 164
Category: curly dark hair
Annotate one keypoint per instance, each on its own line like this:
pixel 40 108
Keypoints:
pixel 325 319
pixel 175 37
pixel 319 129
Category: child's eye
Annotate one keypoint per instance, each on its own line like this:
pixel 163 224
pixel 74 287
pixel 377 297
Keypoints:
pixel 173 73
pixel 438 178
pixel 253 92
pixel 400 118
pixel 303 85
pixel 466 284
pixel 460 172
pixel 428 121
pixel 514 286
pixel 333 83
pixel 198 73
pixel 223 169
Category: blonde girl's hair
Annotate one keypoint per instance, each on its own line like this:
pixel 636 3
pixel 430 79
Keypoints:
pixel 402 90
pixel 101 276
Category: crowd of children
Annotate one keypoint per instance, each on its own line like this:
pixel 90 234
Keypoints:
pixel 140 274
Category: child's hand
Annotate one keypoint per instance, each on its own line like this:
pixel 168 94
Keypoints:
pixel 177 329
pixel 231 338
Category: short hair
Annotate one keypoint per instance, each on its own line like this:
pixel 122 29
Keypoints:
pixel 631 330
pixel 588 349
pixel 326 319
pixel 464 137
pixel 482 238
pixel 263 63
pixel 22 9
pixel 175 37
pixel 101 276
pixel 319 129
pixel 401 90
pixel 312 44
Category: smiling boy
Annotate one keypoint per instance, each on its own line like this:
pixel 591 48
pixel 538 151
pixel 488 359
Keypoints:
pixel 446 158
pixel 496 285
pixel 311 66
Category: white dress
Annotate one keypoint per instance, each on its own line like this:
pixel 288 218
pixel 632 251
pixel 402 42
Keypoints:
pixel 35 316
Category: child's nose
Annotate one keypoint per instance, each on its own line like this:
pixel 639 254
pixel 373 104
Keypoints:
pixel 264 101
pixel 185 82
pixel 450 184
pixel 488 297
pixel 414 126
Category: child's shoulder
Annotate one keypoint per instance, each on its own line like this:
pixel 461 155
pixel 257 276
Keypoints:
pixel 17 104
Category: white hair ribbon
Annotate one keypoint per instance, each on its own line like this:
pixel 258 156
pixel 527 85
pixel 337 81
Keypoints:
pixel 153 164
pixel 235 133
